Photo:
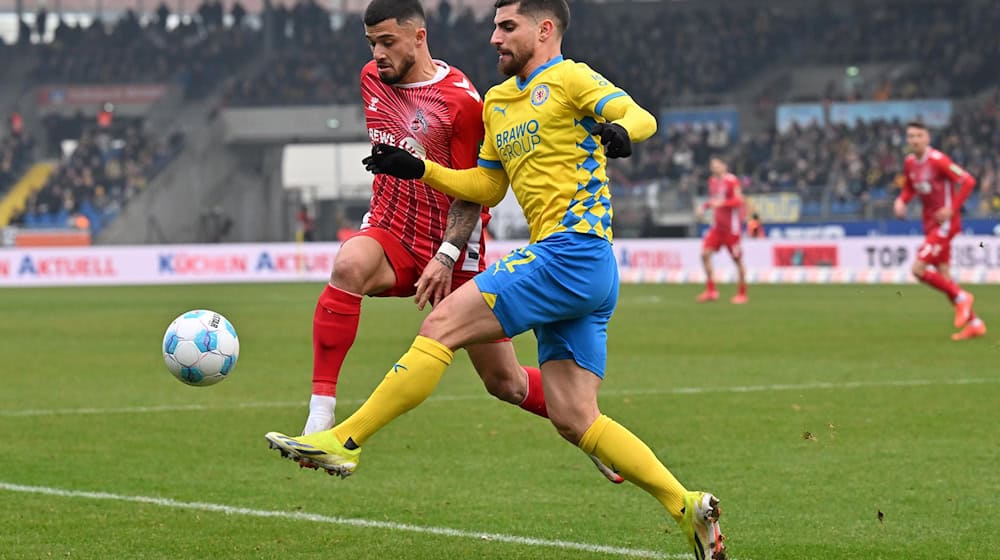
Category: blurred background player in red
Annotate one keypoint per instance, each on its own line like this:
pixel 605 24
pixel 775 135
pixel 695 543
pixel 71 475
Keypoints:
pixel 414 241
pixel 755 229
pixel 931 175
pixel 725 198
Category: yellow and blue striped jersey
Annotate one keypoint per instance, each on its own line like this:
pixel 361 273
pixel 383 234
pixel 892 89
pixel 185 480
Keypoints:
pixel 538 132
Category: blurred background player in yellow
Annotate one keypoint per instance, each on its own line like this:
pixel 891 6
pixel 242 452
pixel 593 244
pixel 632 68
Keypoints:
pixel 415 241
pixel 541 126
pixel 931 175
pixel 725 199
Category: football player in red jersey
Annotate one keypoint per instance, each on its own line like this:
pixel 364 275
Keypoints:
pixel 414 241
pixel 725 198
pixel 931 175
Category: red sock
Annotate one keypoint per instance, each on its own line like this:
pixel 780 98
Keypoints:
pixel 743 289
pixel 534 400
pixel 938 282
pixel 710 285
pixel 335 326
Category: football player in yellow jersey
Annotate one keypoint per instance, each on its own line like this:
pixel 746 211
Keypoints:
pixel 549 129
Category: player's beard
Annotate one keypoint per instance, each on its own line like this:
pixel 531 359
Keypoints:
pixel 514 64
pixel 397 74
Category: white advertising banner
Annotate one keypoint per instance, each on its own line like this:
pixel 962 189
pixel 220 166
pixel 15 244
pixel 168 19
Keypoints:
pixel 849 260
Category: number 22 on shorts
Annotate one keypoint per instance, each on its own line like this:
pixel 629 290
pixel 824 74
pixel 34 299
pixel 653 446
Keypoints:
pixel 513 259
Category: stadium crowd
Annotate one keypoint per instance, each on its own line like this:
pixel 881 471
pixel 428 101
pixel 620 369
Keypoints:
pixel 953 44
pixel 317 64
pixel 106 168
pixel 15 152
pixel 194 54
pixel 691 55
pixel 837 169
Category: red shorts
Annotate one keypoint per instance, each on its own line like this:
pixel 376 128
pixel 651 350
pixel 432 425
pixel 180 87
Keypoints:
pixel 715 240
pixel 408 267
pixel 936 249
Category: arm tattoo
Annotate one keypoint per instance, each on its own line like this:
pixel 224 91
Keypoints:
pixel 445 260
pixel 462 219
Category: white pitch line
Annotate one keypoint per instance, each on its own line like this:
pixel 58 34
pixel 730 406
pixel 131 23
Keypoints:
pixel 348 521
pixel 819 385
pixel 804 386
pixel 152 408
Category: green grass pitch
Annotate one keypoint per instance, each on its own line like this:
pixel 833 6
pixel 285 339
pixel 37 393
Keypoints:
pixel 807 411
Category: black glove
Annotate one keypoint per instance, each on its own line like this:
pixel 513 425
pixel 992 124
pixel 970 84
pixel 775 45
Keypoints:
pixel 615 138
pixel 394 161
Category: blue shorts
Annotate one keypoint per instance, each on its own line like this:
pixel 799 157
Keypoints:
pixel 565 288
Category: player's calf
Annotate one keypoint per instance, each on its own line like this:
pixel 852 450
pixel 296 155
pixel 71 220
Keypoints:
pixel 963 308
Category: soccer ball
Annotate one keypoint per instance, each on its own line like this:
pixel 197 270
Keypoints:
pixel 200 347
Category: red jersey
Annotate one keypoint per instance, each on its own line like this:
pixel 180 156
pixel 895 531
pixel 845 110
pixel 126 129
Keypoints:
pixel 934 177
pixel 440 120
pixel 729 216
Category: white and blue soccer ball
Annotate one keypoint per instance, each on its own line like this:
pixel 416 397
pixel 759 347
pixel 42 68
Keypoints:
pixel 201 347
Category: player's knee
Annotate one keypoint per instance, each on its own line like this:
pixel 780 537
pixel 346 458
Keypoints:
pixel 441 326
pixel 433 324
pixel 568 431
pixel 449 324
pixel 349 276
pixel 568 424
pixel 503 386
pixel 918 269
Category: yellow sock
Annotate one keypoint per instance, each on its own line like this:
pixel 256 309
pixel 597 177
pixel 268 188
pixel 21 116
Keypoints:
pixel 621 450
pixel 410 381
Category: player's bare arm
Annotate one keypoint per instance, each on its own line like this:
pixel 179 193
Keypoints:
pixel 435 281
pixel 907 193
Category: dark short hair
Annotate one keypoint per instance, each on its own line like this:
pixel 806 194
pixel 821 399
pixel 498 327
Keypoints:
pixel 916 124
pixel 558 9
pixel 400 10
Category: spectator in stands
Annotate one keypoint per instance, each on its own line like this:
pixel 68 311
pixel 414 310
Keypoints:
pixel 16 123
pixel 215 225
pixel 239 13
pixel 755 229
pixel 41 22
pixel 15 152
pixel 305 226
pixel 23 33
pixel 162 15
pixel 444 13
